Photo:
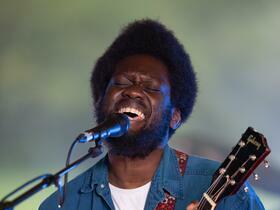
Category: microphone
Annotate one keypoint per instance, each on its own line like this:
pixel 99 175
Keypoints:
pixel 115 125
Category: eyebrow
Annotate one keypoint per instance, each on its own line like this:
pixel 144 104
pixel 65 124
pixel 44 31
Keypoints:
pixel 144 76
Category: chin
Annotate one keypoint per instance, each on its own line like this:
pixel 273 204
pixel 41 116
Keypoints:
pixel 141 138
pixel 141 143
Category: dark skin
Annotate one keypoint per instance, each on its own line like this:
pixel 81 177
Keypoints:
pixel 128 174
pixel 141 82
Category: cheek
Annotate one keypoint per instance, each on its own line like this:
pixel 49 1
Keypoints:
pixel 160 103
pixel 109 99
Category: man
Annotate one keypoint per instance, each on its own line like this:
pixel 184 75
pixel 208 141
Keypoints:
pixel 147 75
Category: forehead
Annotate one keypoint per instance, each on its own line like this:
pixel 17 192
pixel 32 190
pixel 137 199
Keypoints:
pixel 143 66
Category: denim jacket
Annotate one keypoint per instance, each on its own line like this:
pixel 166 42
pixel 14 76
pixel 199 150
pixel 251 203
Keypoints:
pixel 90 190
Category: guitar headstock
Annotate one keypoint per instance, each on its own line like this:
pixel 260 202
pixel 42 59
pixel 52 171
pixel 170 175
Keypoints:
pixel 248 153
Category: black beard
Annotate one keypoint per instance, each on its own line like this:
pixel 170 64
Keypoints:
pixel 140 145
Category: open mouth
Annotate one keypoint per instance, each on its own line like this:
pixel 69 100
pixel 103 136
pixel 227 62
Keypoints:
pixel 132 113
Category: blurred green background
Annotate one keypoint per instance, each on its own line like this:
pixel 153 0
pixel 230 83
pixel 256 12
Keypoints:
pixel 47 51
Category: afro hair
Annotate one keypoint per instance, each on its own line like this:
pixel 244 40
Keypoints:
pixel 152 38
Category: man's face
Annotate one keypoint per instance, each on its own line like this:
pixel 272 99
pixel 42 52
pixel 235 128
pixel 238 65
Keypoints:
pixel 139 88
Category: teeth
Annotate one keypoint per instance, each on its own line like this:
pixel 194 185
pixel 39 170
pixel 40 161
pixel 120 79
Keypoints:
pixel 132 110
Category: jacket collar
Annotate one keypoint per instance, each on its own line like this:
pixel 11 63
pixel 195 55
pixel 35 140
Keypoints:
pixel 167 176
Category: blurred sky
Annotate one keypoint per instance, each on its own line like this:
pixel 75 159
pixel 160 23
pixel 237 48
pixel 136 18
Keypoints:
pixel 48 48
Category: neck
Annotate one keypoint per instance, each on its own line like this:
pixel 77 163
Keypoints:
pixel 128 173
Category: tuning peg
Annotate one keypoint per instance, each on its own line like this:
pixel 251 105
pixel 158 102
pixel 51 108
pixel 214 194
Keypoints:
pixel 241 143
pixel 231 157
pixel 222 170
pixel 232 182
pixel 256 177
pixel 252 157
pixel 242 170
pixel 266 163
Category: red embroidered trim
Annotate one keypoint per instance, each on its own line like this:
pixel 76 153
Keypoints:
pixel 169 201
pixel 182 160
pixel 167 204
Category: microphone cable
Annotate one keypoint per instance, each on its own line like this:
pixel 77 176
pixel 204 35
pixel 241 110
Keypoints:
pixel 62 189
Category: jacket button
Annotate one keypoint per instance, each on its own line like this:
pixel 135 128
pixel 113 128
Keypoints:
pixel 102 186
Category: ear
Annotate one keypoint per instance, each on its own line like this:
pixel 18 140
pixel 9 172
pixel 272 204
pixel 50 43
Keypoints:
pixel 175 121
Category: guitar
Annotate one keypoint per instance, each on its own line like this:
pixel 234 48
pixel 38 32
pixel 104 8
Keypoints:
pixel 248 153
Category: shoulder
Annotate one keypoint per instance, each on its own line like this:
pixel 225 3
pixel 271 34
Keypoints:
pixel 202 170
pixel 245 198
pixel 196 179
pixel 75 188
pixel 195 165
pixel 201 166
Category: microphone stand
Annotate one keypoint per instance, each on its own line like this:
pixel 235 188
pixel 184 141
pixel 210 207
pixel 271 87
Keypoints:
pixel 52 179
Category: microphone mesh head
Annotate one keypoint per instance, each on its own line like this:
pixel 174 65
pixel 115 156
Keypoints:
pixel 120 122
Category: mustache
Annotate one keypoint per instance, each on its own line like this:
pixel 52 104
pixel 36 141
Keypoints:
pixel 139 104
pixel 139 145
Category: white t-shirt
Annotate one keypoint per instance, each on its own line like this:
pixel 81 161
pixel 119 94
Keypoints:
pixel 128 199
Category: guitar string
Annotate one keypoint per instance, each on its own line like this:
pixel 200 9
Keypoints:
pixel 215 196
pixel 221 190
pixel 223 187
pixel 203 201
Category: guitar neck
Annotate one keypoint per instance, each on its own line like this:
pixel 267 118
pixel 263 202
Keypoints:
pixel 205 204
pixel 248 153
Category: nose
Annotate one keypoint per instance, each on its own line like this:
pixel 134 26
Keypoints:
pixel 133 92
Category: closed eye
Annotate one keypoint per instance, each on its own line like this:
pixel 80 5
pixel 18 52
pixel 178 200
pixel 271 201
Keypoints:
pixel 120 84
pixel 152 89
